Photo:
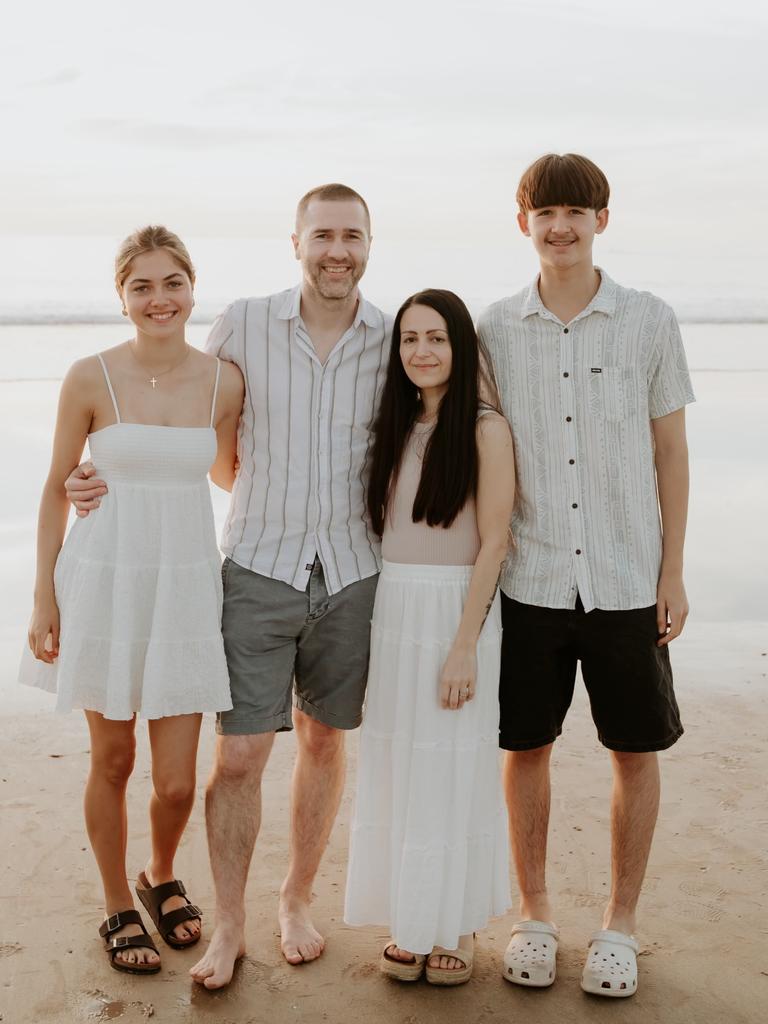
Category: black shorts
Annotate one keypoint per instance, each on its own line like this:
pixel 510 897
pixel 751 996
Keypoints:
pixel 628 678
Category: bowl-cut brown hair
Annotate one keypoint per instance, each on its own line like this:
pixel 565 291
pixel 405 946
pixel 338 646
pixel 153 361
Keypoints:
pixel 563 180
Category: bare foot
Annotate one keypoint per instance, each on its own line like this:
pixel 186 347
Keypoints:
pixel 215 968
pixel 447 962
pixel 396 953
pixel 135 955
pixel 300 941
pixel 187 930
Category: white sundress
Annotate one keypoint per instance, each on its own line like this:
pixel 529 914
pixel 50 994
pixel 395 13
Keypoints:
pixel 138 582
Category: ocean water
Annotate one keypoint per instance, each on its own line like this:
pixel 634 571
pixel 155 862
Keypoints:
pixel 64 279
pixel 43 351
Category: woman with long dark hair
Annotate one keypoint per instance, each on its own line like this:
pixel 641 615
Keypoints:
pixel 428 853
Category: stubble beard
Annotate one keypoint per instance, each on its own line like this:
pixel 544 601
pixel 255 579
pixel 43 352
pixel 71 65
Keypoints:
pixel 332 290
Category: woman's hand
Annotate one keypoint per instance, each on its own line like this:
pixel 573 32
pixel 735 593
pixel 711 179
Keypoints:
pixel 44 624
pixel 458 678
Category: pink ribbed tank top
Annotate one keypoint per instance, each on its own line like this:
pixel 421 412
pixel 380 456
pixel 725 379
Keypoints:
pixel 417 543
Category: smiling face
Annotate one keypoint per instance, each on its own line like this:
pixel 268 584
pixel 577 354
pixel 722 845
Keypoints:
pixel 332 242
pixel 563 235
pixel 157 293
pixel 425 349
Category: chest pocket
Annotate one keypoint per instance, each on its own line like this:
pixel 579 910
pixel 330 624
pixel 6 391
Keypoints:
pixel 613 393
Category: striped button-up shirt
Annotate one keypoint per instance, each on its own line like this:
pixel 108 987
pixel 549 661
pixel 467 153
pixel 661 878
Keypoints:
pixel 580 398
pixel 303 441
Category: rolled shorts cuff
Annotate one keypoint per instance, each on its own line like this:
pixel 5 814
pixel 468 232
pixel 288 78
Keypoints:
pixel 642 748
pixel 506 743
pixel 326 717
pixel 229 724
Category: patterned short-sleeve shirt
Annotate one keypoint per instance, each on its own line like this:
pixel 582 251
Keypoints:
pixel 304 440
pixel 580 398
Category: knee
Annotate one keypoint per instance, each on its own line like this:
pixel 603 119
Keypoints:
pixel 114 763
pixel 629 764
pixel 319 741
pixel 530 759
pixel 175 791
pixel 241 758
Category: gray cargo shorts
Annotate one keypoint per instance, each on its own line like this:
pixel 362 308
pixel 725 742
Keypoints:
pixel 284 646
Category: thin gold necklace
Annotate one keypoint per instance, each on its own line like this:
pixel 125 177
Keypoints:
pixel 153 379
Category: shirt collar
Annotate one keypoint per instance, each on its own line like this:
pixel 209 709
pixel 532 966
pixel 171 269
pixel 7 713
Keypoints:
pixel 365 312
pixel 603 301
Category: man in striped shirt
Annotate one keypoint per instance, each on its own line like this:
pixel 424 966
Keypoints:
pixel 594 382
pixel 301 561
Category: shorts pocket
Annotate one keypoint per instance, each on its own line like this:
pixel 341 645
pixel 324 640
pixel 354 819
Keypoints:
pixel 613 393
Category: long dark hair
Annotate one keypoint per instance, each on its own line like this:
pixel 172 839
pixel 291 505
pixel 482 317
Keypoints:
pixel 450 465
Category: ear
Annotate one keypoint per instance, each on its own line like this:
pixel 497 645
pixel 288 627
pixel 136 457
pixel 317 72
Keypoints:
pixel 602 221
pixel 295 240
pixel 522 223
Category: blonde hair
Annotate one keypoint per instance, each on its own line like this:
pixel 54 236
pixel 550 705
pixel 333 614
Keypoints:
pixel 149 239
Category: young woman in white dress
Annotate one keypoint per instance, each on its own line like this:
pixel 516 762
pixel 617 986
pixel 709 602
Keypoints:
pixel 429 852
pixel 127 610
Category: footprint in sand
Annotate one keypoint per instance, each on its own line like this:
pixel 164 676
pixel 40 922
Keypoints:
pixel 698 912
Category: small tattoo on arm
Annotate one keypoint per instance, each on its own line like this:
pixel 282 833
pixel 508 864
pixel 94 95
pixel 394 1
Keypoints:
pixel 493 595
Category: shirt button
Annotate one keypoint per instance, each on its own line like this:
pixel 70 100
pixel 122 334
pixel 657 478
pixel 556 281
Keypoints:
pixel 571 462
pixel 574 505
pixel 565 330
pixel 566 374
pixel 568 419
pixel 578 551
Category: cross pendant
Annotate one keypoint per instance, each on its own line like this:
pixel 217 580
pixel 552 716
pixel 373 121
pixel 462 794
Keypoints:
pixel 153 381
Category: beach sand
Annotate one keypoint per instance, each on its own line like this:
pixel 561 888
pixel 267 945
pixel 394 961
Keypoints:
pixel 704 914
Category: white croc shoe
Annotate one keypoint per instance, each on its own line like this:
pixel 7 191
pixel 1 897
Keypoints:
pixel 530 957
pixel 611 967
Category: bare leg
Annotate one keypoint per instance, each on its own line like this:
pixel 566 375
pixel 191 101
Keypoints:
pixel 634 808
pixel 113 750
pixel 318 781
pixel 174 753
pixel 526 786
pixel 233 818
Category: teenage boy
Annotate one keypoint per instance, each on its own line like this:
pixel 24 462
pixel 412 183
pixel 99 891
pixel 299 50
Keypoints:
pixel 302 564
pixel 594 382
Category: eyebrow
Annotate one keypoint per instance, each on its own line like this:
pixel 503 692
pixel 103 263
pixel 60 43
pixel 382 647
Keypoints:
pixel 349 231
pixel 432 330
pixel 146 280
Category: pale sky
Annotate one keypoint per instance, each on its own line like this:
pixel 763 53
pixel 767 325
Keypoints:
pixel 215 120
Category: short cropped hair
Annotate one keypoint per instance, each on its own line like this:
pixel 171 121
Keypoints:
pixel 567 180
pixel 150 239
pixel 330 193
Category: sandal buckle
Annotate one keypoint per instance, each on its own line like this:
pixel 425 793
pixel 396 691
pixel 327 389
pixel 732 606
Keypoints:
pixel 113 923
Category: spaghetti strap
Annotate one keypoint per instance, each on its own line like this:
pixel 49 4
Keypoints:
pixel 109 385
pixel 215 389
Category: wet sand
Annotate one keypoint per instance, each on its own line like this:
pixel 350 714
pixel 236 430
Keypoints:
pixel 703 915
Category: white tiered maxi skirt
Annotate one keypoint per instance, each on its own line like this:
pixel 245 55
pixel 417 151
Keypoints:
pixel 429 851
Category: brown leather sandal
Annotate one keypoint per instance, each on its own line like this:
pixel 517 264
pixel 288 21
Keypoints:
pixel 153 897
pixel 121 942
